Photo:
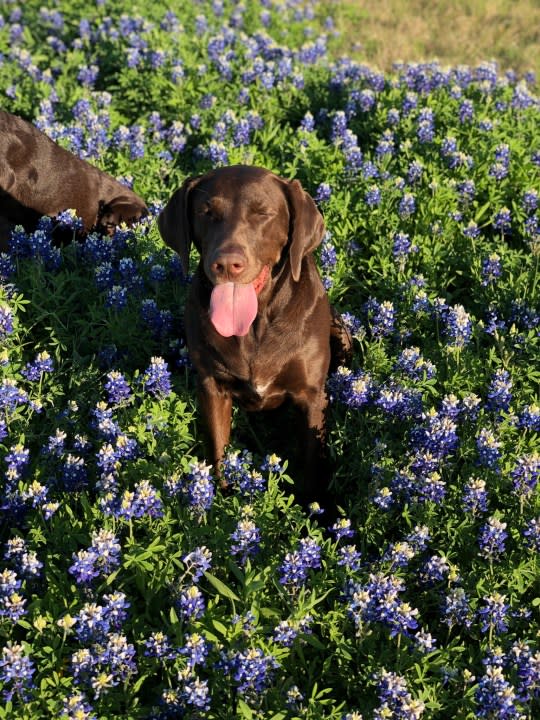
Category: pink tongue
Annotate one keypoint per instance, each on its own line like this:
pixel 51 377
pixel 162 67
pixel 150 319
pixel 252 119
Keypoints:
pixel 233 307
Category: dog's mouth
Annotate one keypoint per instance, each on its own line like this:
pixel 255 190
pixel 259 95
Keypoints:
pixel 233 306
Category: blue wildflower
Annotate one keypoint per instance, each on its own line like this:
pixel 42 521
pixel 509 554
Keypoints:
pixel 42 364
pixel 492 539
pixel 117 388
pixel 16 672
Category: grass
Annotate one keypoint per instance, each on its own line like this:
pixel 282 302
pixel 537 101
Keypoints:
pixel 454 32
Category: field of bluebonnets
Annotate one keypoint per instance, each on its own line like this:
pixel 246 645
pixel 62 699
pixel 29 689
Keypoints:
pixel 129 587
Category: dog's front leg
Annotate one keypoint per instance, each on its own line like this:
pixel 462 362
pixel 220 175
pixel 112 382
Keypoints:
pixel 313 436
pixel 216 408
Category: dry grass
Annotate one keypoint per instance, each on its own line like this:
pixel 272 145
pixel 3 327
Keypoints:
pixel 381 32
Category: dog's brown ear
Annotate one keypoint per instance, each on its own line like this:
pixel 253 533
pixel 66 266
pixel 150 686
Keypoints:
pixel 307 226
pixel 174 225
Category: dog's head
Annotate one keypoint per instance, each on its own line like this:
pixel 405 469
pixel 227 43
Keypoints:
pixel 125 208
pixel 241 219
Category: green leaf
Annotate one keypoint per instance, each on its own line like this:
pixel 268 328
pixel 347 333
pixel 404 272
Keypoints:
pixel 220 586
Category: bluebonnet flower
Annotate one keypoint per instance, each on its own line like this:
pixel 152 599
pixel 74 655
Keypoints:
pixel 435 569
pixel 393 117
pixel 383 498
pixel 488 449
pixel 143 501
pixel 252 671
pixel 76 707
pixel 492 539
pixel 491 269
pixel 323 193
pixel 475 496
pixel 527 668
pixel 157 273
pixel 467 191
pixel 101 558
pixel 294 699
pixel 157 378
pixel 25 560
pixel 458 326
pixel 12 603
pixel 415 172
pixel 294 568
pixel 117 297
pixel 529 418
pixel 6 321
pixel 308 123
pixel 378 601
pixel 199 488
pixel 407 206
pixel 104 276
pixel 399 554
pixel 466 111
pixel 402 248
pixel 42 364
pixel 531 533
pixel 192 696
pixel 338 126
pixel 237 471
pixel 285 633
pixel 197 562
pixel 495 696
pixel 94 622
pixel 349 557
pixel 373 196
pixel 493 614
pixel 117 388
pixel 68 219
pixel 328 255
pixel 17 461
pixel 395 698
pixel 352 389
pixel 245 538
pixel 399 402
pixel 342 529
pixel 16 672
pixel 382 317
pixel 456 608
pixel 195 649
pixel 499 395
pixel 74 475
pixel 272 463
pixel 502 220
pixel 385 145
pixel 413 364
pixel 425 123
pixel 11 396
pixel 191 603
pixel 158 645
pixel 499 170
pixel 525 475
pixel 530 200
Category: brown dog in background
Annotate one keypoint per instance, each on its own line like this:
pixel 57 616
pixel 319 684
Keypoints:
pixel 38 177
pixel 258 321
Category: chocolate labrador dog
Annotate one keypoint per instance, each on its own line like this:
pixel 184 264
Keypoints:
pixel 38 177
pixel 258 322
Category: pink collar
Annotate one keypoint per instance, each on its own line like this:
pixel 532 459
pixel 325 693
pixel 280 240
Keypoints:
pixel 261 279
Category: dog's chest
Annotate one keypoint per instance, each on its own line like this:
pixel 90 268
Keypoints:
pixel 255 378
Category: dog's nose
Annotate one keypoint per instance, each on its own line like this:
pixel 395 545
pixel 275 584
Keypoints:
pixel 228 265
